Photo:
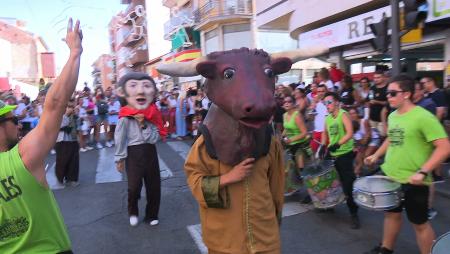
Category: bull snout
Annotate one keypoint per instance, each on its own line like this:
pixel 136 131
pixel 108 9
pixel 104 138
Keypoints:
pixel 257 114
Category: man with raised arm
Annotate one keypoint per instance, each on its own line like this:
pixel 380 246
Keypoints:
pixel 30 219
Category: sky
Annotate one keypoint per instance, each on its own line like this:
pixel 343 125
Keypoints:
pixel 48 19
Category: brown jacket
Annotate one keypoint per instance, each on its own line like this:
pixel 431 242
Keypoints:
pixel 242 217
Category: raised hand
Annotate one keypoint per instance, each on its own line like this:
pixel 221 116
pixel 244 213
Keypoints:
pixel 74 37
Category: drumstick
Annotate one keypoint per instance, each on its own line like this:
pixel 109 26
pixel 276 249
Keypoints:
pixel 388 178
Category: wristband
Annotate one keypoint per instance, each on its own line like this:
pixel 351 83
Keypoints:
pixel 425 174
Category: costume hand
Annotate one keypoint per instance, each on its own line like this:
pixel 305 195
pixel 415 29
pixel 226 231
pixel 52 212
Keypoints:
pixel 74 37
pixel 370 160
pixel 241 171
pixel 333 147
pixel 120 166
pixel 417 179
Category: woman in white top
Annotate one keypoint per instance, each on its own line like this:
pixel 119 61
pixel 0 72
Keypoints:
pixel 113 118
pixel 363 91
pixel 191 110
pixel 366 139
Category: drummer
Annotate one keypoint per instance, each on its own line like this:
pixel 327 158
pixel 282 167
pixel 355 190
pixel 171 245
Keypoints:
pixel 413 150
pixel 339 132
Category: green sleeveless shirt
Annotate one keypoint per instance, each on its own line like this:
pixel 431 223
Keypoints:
pixel 30 220
pixel 291 128
pixel 336 130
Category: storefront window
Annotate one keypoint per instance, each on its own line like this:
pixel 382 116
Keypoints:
pixel 237 36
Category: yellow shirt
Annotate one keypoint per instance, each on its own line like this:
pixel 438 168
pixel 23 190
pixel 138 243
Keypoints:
pixel 242 217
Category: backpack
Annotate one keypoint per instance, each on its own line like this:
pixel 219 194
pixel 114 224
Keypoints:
pixel 102 107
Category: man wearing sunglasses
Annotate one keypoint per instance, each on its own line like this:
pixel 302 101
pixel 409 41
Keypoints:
pixel 416 145
pixel 339 133
pixel 30 220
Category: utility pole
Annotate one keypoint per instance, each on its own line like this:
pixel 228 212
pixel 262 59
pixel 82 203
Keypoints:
pixel 395 37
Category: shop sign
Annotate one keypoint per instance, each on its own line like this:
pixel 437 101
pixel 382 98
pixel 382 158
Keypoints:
pixel 356 29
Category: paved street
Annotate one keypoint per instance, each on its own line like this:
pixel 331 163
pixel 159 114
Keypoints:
pixel 96 214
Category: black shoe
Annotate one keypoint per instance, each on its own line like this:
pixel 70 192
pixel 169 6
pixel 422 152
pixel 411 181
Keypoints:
pixel 354 224
pixel 379 250
pixel 324 210
pixel 306 200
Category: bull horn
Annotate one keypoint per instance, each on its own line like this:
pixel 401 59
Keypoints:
pixel 180 69
pixel 301 54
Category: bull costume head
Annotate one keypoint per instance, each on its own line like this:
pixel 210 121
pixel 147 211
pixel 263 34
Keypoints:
pixel 241 84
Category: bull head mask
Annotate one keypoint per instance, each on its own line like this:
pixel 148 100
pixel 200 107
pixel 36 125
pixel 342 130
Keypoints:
pixel 241 84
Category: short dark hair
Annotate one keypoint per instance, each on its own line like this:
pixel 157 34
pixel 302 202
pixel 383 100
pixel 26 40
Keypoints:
pixel 334 95
pixel 405 82
pixel 379 72
pixel 364 78
pixel 322 86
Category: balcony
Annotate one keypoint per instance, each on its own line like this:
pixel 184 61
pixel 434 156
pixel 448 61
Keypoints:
pixel 174 3
pixel 225 11
pixel 137 57
pixel 183 18
pixel 136 35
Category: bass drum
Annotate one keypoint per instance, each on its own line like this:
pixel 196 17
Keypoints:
pixel 442 244
pixel 322 182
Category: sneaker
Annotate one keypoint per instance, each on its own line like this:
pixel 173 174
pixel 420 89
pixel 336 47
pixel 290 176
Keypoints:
pixel 99 146
pixel 432 213
pixel 354 224
pixel 83 150
pixel 306 200
pixel 134 220
pixel 154 222
pixel 108 144
pixel 58 186
pixel 52 151
pixel 290 192
pixel 88 148
pixel 379 250
pixel 72 183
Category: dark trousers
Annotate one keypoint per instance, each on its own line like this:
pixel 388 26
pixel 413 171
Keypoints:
pixel 67 161
pixel 344 167
pixel 142 164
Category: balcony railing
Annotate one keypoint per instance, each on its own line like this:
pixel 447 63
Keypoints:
pixel 183 18
pixel 223 8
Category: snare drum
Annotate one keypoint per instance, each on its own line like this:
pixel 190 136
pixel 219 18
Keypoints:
pixel 323 185
pixel 378 193
pixel 441 245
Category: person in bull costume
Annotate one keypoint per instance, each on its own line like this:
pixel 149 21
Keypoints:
pixel 235 168
pixel 137 131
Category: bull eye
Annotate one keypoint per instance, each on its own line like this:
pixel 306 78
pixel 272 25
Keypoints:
pixel 269 72
pixel 228 73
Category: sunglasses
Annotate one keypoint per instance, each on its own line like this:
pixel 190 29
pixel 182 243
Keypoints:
pixel 328 102
pixel 393 93
pixel 13 119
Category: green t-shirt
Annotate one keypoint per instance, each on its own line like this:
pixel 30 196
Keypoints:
pixel 411 137
pixel 336 130
pixel 30 220
pixel 291 128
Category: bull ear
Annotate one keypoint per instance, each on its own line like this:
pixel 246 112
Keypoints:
pixel 281 65
pixel 207 69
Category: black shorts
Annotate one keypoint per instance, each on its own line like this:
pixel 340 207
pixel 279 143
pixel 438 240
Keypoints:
pixel 415 203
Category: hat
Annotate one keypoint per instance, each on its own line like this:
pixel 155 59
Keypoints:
pixel 4 108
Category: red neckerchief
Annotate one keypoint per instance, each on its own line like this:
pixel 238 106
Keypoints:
pixel 151 114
